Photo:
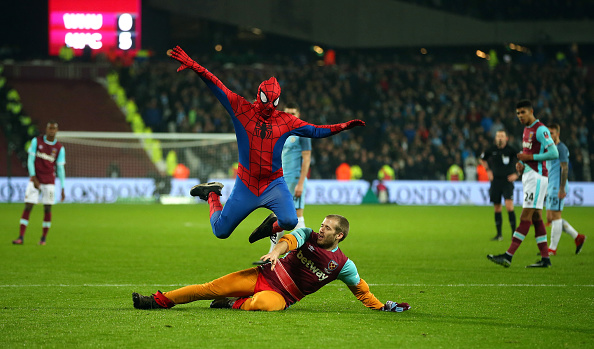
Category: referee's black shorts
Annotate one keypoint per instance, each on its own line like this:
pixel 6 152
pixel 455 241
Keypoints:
pixel 501 187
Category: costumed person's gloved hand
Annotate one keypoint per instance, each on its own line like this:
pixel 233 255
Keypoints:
pixel 346 125
pixel 353 123
pixel 395 307
pixel 181 56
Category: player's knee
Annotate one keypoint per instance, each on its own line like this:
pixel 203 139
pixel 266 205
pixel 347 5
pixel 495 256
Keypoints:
pixel 265 304
pixel 221 234
pixel 288 224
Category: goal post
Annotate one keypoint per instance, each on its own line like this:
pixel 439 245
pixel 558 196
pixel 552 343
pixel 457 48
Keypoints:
pixel 148 155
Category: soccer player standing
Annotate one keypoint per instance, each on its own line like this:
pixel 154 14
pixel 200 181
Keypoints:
pixel 296 157
pixel 500 162
pixel 47 157
pixel 261 132
pixel 537 148
pixel 556 193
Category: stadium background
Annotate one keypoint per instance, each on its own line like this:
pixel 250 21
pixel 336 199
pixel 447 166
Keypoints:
pixel 433 82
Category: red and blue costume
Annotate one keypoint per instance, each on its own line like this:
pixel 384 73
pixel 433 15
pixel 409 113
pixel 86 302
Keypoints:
pixel 261 132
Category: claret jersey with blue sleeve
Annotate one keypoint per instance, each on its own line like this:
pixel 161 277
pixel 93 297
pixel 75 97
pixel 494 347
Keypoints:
pixel 536 140
pixel 309 267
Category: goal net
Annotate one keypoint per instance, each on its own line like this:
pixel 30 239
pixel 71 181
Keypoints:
pixel 152 155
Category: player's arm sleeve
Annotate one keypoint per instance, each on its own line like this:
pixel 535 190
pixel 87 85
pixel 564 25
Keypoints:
pixel 297 237
pixel 305 143
pixel 31 157
pixel 543 136
pixel 60 162
pixel 358 286
pixel 563 154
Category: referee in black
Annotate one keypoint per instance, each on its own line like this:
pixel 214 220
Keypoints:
pixel 500 162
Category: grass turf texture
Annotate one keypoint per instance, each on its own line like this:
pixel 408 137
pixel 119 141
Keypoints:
pixel 76 290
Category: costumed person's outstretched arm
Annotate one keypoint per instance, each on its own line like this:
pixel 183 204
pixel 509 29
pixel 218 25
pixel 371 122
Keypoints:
pixel 229 99
pixel 304 129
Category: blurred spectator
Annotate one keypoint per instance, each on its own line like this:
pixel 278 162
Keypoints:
pixel 343 172
pixel 152 116
pixel 66 53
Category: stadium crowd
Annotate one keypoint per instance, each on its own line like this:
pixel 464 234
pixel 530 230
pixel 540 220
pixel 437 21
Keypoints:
pixel 422 117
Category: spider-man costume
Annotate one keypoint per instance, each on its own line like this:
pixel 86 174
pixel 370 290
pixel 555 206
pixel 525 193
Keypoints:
pixel 261 132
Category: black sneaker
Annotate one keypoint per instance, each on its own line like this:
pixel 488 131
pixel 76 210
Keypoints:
pixel 264 230
pixel 224 303
pixel 259 262
pixel 497 238
pixel 501 259
pixel 202 190
pixel 543 263
pixel 145 302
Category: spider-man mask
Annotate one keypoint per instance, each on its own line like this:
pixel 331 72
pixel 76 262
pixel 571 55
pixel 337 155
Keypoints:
pixel 268 96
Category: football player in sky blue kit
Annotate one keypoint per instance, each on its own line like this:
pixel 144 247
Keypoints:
pixel 313 261
pixel 556 192
pixel 538 147
pixel 296 157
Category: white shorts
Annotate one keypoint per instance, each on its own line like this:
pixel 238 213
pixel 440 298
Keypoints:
pixel 535 189
pixel 48 194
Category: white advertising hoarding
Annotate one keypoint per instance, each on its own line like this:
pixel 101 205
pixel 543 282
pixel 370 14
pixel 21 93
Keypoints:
pixel 319 192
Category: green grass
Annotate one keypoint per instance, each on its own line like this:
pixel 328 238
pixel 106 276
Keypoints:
pixel 76 291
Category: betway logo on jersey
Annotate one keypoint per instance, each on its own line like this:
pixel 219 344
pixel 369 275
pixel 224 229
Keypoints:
pixel 311 266
pixel 527 145
pixel 45 156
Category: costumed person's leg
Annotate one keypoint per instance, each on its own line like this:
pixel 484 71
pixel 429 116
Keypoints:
pixel 298 203
pixel 279 200
pixel 240 204
pixel 237 284
pixel 264 300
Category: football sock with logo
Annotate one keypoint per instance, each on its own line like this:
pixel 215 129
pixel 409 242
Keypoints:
pixel 556 230
pixel 518 237
pixel 512 220
pixel 541 238
pixel 498 222
pixel 46 225
pixel 24 223
pixel 569 229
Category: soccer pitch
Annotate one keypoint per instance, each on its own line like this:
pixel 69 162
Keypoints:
pixel 76 290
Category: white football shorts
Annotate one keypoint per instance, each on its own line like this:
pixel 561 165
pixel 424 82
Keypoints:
pixel 47 191
pixel 535 189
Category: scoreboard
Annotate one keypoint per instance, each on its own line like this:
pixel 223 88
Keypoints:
pixel 103 25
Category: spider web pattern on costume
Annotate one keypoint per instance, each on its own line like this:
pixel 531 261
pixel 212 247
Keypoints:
pixel 264 160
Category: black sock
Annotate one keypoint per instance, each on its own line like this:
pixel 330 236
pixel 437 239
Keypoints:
pixel 512 220
pixel 498 222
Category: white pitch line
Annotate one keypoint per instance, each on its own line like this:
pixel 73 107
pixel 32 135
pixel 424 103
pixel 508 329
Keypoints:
pixel 337 285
